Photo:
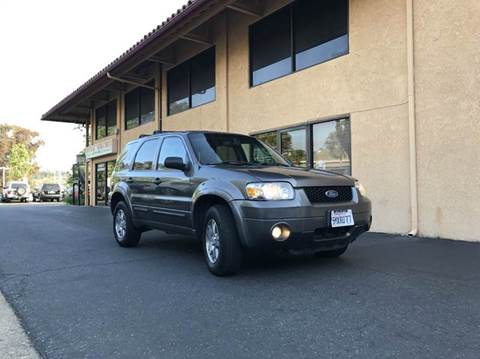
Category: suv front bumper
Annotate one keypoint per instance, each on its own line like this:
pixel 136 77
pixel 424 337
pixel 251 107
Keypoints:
pixel 309 223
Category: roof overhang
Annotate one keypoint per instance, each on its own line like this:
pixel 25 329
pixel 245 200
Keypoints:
pixel 76 107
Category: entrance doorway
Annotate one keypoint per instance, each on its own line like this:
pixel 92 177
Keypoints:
pixel 103 175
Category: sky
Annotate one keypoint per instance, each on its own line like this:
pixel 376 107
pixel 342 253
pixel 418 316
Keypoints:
pixel 49 48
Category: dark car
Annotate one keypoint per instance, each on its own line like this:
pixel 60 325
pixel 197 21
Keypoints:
pixel 50 192
pixel 234 193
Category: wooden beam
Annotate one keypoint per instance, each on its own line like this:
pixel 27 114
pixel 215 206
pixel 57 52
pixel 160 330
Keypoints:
pixel 196 39
pixel 244 11
pixel 160 60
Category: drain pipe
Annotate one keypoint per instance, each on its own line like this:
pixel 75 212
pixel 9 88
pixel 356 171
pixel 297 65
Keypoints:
pixel 412 132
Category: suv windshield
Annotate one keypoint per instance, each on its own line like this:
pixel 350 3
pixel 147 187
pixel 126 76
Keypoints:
pixel 51 187
pixel 220 148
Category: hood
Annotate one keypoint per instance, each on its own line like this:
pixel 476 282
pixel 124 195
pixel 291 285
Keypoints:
pixel 298 177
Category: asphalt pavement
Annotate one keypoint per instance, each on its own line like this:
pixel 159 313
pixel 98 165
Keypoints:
pixel 78 295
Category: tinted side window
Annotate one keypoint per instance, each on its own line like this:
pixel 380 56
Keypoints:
pixel 172 147
pixel 270 47
pixel 321 31
pixel 125 159
pixel 145 157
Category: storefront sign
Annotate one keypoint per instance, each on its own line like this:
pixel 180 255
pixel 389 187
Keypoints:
pixel 100 149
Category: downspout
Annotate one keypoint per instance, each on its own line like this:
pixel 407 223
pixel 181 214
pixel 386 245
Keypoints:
pixel 412 135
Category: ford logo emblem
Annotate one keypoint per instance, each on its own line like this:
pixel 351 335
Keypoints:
pixel 331 194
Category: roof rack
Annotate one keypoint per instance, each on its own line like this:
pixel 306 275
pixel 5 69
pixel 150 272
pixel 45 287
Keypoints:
pixel 143 135
pixel 157 132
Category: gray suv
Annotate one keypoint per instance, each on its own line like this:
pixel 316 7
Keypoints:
pixel 234 193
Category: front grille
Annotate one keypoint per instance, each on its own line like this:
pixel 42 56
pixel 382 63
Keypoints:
pixel 319 194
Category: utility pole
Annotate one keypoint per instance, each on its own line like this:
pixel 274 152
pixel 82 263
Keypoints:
pixel 3 175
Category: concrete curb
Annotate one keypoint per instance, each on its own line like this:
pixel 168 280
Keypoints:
pixel 14 342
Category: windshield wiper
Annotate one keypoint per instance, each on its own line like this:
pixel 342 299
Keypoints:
pixel 233 163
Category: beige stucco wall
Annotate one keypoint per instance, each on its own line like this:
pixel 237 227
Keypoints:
pixel 447 70
pixel 369 85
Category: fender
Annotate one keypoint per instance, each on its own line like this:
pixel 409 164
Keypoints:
pixel 122 188
pixel 225 190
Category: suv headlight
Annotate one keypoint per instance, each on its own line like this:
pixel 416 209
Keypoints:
pixel 270 191
pixel 361 189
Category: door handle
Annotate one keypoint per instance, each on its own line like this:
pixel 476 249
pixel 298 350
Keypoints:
pixel 129 180
pixel 157 181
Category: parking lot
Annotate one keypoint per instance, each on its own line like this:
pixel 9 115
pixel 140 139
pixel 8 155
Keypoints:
pixel 78 294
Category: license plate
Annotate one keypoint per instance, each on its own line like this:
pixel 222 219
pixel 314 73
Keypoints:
pixel 341 218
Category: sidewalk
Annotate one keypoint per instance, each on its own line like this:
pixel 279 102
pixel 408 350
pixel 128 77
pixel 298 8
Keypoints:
pixel 14 343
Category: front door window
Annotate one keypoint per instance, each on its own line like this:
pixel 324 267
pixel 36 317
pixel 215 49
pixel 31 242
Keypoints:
pixel 103 175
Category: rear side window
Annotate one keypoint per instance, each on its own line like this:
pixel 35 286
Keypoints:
pixel 51 187
pixel 125 159
pixel 171 147
pixel 145 157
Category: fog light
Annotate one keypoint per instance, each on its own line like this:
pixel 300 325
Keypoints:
pixel 276 232
pixel 280 233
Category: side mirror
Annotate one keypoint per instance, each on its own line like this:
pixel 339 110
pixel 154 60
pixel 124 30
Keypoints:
pixel 176 163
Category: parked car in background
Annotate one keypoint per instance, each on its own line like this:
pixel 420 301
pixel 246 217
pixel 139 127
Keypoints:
pixel 50 192
pixel 235 194
pixel 17 191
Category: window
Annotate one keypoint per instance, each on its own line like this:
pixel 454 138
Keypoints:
pixel 270 138
pixel 323 146
pixel 192 83
pixel 332 146
pixel 297 36
pixel 145 157
pixel 271 47
pixel 139 106
pixel 231 149
pixel 171 147
pixel 294 147
pixel 106 120
pixel 125 159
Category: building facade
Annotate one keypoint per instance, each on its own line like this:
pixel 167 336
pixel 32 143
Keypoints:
pixel 387 91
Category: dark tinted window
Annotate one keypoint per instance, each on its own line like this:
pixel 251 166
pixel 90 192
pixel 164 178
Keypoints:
pixel 147 104
pixel 270 47
pixel 300 35
pixel 172 147
pixel 203 78
pixel 111 118
pixel 125 159
pixel 178 89
pixel 192 83
pixel 139 106
pixel 321 31
pixel 145 157
pixel 132 109
pixel 294 146
pixel 332 146
pixel 100 123
pixel 51 187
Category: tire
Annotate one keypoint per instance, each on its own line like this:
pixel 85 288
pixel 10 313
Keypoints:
pixel 124 230
pixel 221 246
pixel 332 254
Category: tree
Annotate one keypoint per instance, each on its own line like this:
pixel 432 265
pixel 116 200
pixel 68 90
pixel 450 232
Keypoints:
pixel 20 162
pixel 10 137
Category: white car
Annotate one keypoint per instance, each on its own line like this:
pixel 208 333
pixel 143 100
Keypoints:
pixel 17 191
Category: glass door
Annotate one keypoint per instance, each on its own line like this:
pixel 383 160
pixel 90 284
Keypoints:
pixel 100 184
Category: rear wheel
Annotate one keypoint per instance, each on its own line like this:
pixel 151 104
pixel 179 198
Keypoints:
pixel 221 246
pixel 124 230
pixel 332 254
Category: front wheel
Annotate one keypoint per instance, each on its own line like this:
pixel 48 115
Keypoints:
pixel 221 246
pixel 124 230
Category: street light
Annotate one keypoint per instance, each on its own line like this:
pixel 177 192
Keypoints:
pixel 3 175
